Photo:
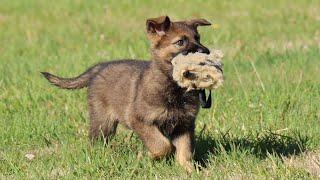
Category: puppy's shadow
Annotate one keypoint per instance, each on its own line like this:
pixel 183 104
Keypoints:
pixel 260 145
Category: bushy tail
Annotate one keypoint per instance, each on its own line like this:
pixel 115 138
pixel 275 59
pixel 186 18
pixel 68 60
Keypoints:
pixel 73 83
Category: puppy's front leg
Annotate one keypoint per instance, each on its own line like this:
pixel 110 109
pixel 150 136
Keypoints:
pixel 157 144
pixel 184 149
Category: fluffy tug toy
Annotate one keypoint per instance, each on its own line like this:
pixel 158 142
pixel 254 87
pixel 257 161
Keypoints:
pixel 199 71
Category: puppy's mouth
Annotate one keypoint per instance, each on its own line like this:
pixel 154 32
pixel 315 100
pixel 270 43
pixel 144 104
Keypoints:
pixel 185 52
pixel 176 54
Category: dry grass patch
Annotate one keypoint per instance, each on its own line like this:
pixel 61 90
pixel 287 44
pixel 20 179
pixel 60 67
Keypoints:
pixel 309 162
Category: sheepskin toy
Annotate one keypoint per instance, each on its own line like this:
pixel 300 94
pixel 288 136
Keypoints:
pixel 199 71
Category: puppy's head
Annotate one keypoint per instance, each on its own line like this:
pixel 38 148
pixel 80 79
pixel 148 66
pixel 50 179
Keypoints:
pixel 169 38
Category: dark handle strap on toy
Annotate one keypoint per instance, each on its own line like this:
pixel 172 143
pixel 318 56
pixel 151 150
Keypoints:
pixel 205 103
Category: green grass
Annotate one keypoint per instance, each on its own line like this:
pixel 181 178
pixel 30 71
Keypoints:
pixel 267 111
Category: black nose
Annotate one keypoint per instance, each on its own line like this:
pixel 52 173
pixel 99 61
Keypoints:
pixel 203 50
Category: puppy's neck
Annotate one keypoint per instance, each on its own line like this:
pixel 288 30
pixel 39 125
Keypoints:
pixel 162 72
pixel 164 66
pixel 159 84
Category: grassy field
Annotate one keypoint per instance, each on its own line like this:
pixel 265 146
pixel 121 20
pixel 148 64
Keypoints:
pixel 265 122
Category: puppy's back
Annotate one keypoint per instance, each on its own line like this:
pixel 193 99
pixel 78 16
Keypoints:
pixel 117 84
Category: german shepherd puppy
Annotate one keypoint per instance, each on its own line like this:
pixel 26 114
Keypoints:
pixel 142 95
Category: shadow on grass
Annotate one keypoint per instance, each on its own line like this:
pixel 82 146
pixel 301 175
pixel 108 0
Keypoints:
pixel 260 145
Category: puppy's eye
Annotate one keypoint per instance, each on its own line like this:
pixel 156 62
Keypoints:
pixel 180 42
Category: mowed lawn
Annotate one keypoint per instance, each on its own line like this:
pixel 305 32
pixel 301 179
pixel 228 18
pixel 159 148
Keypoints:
pixel 265 121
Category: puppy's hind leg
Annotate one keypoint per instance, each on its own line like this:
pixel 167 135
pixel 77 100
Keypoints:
pixel 102 123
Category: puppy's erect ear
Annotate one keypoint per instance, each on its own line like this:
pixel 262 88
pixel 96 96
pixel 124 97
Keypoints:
pixel 198 22
pixel 159 25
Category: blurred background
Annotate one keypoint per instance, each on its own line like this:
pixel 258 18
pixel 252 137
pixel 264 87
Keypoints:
pixel 267 111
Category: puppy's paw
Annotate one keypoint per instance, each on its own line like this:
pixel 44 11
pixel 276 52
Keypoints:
pixel 187 166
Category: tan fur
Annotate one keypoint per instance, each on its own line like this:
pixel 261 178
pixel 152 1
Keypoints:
pixel 184 144
pixel 142 95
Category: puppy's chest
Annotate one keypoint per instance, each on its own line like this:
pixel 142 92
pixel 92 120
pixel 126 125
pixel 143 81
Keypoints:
pixel 173 119
pixel 179 110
